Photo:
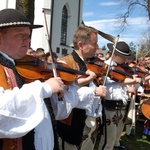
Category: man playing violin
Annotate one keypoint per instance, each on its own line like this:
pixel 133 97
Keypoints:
pixel 25 121
pixel 116 100
pixel 80 129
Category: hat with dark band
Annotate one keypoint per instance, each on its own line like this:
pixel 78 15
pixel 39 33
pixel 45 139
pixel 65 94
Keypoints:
pixel 122 49
pixel 15 18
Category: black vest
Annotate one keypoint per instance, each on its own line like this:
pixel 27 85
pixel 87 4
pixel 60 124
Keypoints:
pixel 73 133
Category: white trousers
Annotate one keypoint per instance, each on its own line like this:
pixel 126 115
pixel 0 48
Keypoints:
pixel 114 128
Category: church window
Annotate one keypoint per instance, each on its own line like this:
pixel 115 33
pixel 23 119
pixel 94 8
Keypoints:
pixel 64 26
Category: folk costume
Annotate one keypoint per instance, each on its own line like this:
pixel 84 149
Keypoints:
pixel 21 123
pixel 115 104
pixel 78 132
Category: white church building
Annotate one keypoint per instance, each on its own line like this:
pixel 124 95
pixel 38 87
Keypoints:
pixel 62 19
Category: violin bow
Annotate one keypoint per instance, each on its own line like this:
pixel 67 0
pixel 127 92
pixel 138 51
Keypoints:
pixel 137 51
pixel 108 69
pixel 50 50
pixel 107 36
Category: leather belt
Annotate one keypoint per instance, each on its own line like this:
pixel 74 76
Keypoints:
pixel 146 91
pixel 114 105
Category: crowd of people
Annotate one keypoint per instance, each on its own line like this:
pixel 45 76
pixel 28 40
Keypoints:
pixel 52 115
pixel 41 54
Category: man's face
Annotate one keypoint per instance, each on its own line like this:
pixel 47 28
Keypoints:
pixel 89 50
pixel 15 41
pixel 119 59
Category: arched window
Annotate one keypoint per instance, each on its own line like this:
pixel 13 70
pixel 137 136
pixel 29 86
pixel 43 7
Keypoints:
pixel 64 26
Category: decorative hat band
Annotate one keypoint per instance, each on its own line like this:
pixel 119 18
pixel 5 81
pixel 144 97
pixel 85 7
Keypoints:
pixel 14 23
pixel 122 52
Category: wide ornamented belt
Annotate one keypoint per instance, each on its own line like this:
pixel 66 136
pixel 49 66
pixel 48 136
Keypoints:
pixel 115 105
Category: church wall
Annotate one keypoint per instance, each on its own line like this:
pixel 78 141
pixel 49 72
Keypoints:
pixel 72 7
pixel 7 4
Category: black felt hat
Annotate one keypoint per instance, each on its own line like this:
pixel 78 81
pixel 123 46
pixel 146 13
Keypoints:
pixel 122 49
pixel 15 18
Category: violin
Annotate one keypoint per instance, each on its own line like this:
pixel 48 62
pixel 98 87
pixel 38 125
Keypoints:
pixel 31 68
pixel 145 108
pixel 133 68
pixel 117 73
pixel 98 67
pixel 140 70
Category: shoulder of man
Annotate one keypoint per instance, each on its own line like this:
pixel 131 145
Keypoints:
pixel 69 60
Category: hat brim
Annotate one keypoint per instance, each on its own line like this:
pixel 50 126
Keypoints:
pixel 132 56
pixel 30 26
pixel 110 46
pixel 36 26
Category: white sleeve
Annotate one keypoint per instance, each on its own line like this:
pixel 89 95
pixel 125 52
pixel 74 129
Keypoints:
pixel 75 97
pixel 89 101
pixel 116 92
pixel 22 109
pixel 62 108
pixel 86 95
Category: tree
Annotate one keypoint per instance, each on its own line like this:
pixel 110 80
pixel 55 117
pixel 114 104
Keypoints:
pixel 132 46
pixel 131 4
pixel 27 7
pixel 144 47
pixel 104 48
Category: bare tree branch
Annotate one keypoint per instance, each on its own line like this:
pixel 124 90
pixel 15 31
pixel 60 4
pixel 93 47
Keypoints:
pixel 130 7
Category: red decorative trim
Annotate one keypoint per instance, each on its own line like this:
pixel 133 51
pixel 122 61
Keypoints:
pixel 11 78
pixel 15 144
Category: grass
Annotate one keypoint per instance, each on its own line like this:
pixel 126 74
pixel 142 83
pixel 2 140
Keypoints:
pixel 137 142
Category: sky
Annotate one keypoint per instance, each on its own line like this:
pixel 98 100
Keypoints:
pixel 104 16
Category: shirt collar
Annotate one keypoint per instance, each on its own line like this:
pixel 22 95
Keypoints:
pixel 7 57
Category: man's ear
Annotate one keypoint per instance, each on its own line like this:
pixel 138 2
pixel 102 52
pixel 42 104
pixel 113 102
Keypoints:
pixel 80 44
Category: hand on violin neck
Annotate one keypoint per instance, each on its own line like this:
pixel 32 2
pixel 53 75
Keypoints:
pixel 85 79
